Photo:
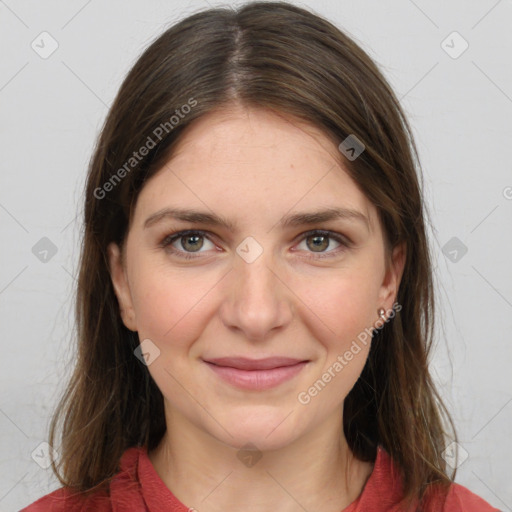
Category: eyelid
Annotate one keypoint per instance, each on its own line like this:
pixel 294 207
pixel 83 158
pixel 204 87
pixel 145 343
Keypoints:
pixel 341 238
pixel 175 235
pixel 170 238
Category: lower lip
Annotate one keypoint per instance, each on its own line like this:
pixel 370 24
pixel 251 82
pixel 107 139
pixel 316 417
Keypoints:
pixel 257 379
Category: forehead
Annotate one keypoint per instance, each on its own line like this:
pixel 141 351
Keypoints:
pixel 237 131
pixel 242 162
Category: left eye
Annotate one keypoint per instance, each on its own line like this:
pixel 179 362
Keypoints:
pixel 322 240
pixel 192 241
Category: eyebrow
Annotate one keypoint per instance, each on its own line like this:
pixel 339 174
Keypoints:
pixel 292 220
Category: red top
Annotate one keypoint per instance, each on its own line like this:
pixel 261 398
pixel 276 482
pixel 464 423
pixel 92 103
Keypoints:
pixel 138 488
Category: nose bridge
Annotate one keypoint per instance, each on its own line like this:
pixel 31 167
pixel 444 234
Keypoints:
pixel 254 274
pixel 258 301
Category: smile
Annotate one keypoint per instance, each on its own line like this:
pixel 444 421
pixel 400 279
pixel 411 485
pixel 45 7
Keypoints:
pixel 256 374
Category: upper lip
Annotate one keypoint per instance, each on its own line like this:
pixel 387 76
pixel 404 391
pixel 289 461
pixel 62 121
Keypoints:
pixel 243 363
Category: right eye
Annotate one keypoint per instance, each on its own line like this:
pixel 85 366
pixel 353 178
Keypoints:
pixel 191 241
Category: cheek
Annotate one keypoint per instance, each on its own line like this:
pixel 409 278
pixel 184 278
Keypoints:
pixel 170 305
pixel 175 304
pixel 339 313
pixel 340 305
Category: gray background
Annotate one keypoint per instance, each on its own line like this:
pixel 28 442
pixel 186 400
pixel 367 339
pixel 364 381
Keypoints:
pixel 460 109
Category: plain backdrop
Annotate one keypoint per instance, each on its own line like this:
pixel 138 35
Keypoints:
pixel 456 90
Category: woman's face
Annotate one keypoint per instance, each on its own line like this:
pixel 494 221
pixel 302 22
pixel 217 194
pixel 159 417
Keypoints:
pixel 260 284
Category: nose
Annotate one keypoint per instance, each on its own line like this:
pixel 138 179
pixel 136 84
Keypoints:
pixel 257 301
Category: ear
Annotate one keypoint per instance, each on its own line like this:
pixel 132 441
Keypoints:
pixel 121 287
pixel 391 283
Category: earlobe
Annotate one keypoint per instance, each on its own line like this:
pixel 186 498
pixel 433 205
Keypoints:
pixel 121 287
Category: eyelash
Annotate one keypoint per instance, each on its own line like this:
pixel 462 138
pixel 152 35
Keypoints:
pixel 171 237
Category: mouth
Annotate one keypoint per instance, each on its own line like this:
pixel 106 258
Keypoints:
pixel 242 363
pixel 256 374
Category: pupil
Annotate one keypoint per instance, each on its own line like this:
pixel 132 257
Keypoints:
pixel 318 241
pixel 195 245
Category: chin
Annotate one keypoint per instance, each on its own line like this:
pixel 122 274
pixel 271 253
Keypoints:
pixel 258 440
pixel 266 430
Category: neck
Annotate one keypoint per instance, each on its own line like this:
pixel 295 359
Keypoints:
pixel 315 472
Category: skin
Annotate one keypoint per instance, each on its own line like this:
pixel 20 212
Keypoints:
pixel 253 167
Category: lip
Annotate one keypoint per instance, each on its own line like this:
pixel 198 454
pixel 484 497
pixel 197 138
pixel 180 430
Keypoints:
pixel 256 374
pixel 243 363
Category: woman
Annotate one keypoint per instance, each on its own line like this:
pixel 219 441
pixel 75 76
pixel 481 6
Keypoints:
pixel 255 302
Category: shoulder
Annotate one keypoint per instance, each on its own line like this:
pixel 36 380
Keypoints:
pixel 122 489
pixel 459 499
pixel 64 500
pixel 384 489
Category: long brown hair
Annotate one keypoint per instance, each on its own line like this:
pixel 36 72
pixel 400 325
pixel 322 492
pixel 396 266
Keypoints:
pixel 281 57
